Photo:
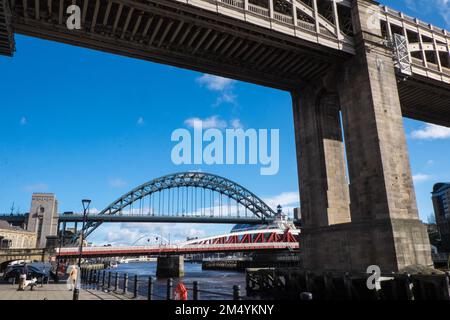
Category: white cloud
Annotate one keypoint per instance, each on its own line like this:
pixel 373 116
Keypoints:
pixel 441 7
pixel 214 122
pixel 128 233
pixel 284 199
pixel 236 124
pixel 211 122
pixel 219 84
pixel 430 132
pixel 140 121
pixel 37 187
pixel 420 177
pixel 225 97
pixel 117 183
pixel 444 10
pixel 215 83
pixel 23 121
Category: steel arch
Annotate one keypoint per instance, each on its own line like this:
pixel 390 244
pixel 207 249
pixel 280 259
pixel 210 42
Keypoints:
pixel 189 179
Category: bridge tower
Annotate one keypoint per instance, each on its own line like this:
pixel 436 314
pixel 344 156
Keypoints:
pixel 43 217
pixel 373 218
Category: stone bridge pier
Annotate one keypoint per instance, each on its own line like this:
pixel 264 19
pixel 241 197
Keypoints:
pixel 371 219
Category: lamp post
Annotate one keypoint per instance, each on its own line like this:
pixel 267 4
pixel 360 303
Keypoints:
pixel 86 204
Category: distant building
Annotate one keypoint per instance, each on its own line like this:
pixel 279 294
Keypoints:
pixel 12 237
pixel 43 217
pixel 441 204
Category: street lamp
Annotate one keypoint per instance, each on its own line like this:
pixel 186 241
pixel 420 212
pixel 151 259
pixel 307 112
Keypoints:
pixel 86 203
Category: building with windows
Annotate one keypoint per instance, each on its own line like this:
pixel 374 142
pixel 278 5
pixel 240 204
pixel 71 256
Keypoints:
pixel 441 204
pixel 12 237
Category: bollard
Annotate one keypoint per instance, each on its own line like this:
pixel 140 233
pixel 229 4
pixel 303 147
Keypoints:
pixel 135 289
pixel 236 292
pixel 169 289
pixel 150 288
pixel 125 283
pixel 306 296
pixel 109 280
pixel 116 283
pixel 195 291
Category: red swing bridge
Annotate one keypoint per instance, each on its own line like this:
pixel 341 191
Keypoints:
pixel 267 239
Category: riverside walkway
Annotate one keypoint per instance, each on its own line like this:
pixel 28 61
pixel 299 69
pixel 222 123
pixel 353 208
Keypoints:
pixel 52 292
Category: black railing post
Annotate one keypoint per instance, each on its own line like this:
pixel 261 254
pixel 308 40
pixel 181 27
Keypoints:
pixel 109 280
pixel 150 288
pixel 169 289
pixel 103 279
pixel 98 279
pixel 195 291
pixel 236 292
pixel 116 282
pixel 135 289
pixel 125 283
pixel 90 276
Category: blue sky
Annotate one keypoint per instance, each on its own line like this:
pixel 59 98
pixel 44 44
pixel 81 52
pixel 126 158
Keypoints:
pixel 82 123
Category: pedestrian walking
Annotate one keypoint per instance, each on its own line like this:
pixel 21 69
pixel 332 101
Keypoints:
pixel 73 276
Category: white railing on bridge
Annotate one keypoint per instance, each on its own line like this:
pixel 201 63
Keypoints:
pixel 258 10
pixel 283 18
pixel 234 3
pixel 327 34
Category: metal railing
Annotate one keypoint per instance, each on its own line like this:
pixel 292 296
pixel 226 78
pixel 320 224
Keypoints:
pixel 135 287
pixel 291 283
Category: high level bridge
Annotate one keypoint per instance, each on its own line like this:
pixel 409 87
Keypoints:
pixel 355 58
pixel 280 43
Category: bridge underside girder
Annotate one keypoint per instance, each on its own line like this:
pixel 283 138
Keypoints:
pixel 423 101
pixel 180 35
pixel 6 34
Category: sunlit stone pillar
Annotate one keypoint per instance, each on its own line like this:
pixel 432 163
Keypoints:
pixel 320 152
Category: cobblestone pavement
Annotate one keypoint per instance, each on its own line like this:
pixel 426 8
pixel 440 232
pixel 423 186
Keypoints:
pixel 52 292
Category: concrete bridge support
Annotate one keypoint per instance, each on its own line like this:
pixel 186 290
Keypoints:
pixel 384 228
pixel 170 267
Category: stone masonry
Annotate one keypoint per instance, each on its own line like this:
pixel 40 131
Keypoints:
pixel 385 229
